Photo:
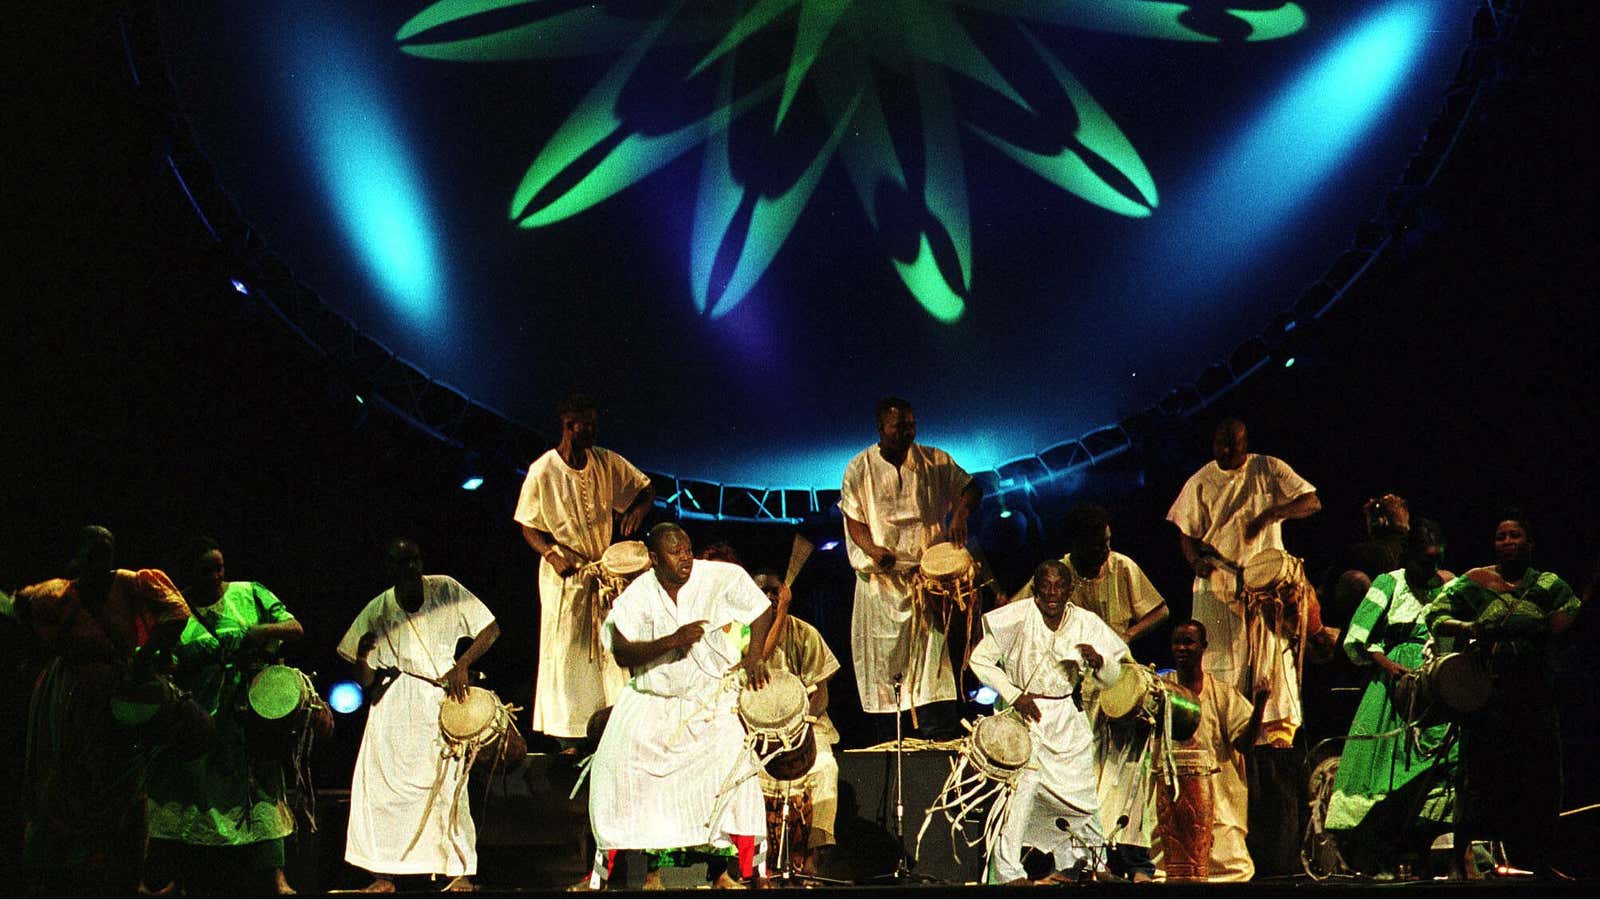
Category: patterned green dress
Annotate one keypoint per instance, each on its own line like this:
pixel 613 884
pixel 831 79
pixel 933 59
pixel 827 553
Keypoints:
pixel 227 798
pixel 1391 785
pixel 1511 749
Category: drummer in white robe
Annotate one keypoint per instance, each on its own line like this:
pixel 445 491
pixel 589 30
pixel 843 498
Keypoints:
pixel 1232 509
pixel 566 508
pixel 1033 653
pixel 674 735
pixel 896 498
pixel 410 630
pixel 1113 587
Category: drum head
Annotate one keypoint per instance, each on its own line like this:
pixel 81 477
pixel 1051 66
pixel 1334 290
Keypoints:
pixel 1004 741
pixel 136 703
pixel 1128 695
pixel 1267 569
pixel 775 707
pixel 277 691
pixel 1459 681
pixel 462 719
pixel 945 560
pixel 626 558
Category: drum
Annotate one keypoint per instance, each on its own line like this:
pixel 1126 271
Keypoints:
pixel 1444 688
pixel 282 704
pixel 944 584
pixel 999 747
pixel 775 717
pixel 1135 692
pixel 1184 708
pixel 617 567
pixel 481 730
pixel 155 712
pixel 789 833
pixel 1269 571
pixel 1184 823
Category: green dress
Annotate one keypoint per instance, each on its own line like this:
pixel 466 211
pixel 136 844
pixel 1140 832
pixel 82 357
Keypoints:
pixel 1387 786
pixel 227 797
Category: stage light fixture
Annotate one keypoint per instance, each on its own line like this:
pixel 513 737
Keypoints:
pixel 472 483
pixel 984 696
pixel 346 697
pixel 828 545
pixel 1288 363
pixel 239 286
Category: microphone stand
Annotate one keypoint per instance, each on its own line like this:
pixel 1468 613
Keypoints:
pixel 902 869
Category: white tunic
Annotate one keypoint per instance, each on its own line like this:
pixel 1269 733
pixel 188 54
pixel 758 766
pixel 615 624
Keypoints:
pixel 399 761
pixel 1020 654
pixel 905 507
pixel 674 735
pixel 575 507
pixel 1214 506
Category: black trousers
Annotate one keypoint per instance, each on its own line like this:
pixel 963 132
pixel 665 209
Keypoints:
pixel 1277 784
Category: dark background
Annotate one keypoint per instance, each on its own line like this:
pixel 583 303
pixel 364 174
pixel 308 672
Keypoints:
pixel 1460 374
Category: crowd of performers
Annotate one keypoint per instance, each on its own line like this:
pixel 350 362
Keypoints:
pixel 163 745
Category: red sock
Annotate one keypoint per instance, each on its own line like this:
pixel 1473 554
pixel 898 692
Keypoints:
pixel 746 845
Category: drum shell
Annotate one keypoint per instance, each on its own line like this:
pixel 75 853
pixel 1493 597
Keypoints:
pixel 155 712
pixel 1185 823
pixel 495 740
pixel 790 765
pixel 798 823
pixel 1445 688
pixel 1133 693
pixel 1185 711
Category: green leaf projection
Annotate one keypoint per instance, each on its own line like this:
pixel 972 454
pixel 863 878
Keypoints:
pixel 841 51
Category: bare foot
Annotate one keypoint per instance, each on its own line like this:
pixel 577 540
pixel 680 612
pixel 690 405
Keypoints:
pixel 461 884
pixel 726 882
pixel 652 881
pixel 165 890
pixel 584 885
pixel 281 884
pixel 1142 877
pixel 379 885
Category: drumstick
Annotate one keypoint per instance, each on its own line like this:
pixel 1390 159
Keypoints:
pixel 798 554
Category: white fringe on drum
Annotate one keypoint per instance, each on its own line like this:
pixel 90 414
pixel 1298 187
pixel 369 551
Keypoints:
pixel 973 781
pixel 465 755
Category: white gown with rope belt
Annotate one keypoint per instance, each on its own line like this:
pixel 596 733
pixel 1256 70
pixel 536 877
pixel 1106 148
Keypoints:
pixel 393 828
pixel 1020 654
pixel 675 736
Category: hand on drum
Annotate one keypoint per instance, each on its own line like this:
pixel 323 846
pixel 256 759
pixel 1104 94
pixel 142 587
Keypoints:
pixel 1091 657
pixel 958 530
pixel 368 641
pixel 633 519
pixel 1027 708
pixel 1257 523
pixel 1388 665
pixel 755 670
pixel 883 557
pixel 455 683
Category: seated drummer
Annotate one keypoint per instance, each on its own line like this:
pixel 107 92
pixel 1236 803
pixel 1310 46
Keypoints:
pixel 797 646
pixel 673 738
pixel 1035 654
pixel 409 633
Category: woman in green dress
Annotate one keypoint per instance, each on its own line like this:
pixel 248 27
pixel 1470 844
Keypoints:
pixel 225 814
pixel 1393 793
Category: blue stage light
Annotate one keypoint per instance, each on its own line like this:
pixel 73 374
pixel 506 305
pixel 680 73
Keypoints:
pixel 346 697
pixel 1288 363
pixel 828 545
pixel 984 696
pixel 239 286
pixel 472 484
pixel 358 147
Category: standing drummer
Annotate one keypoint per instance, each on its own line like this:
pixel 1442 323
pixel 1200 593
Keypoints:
pixel 1228 724
pixel 1035 655
pixel 659 780
pixel 566 510
pixel 898 498
pixel 1112 586
pixel 1229 511
pixel 403 820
